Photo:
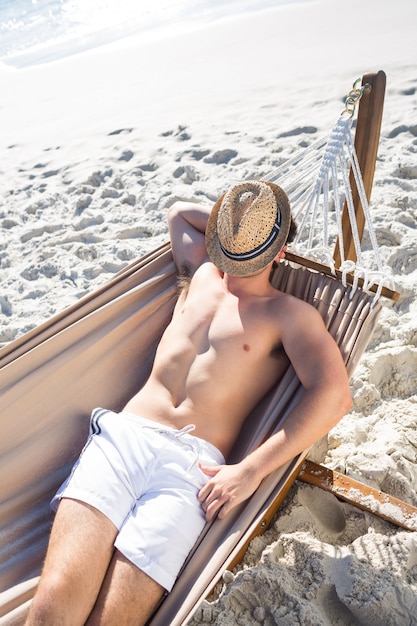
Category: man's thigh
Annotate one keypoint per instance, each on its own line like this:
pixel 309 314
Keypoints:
pixel 128 596
pixel 79 552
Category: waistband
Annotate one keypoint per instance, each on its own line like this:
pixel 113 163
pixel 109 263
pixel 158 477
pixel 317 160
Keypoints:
pixel 200 445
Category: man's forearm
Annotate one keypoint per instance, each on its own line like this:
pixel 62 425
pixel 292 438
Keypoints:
pixel 195 215
pixel 310 420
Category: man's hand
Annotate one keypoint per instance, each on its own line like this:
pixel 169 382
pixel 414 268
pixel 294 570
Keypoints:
pixel 228 486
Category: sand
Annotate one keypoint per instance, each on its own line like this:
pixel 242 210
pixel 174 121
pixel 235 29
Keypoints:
pixel 96 146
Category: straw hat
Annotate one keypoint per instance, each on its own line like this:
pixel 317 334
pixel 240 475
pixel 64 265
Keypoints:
pixel 247 227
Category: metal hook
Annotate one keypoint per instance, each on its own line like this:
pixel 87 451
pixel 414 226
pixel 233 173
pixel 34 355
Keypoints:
pixel 354 95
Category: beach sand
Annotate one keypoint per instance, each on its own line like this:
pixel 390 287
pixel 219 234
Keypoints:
pixel 95 147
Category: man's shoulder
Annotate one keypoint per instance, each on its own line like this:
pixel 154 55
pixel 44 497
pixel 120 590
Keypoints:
pixel 206 270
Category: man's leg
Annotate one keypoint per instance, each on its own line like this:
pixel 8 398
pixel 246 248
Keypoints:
pixel 79 552
pixel 128 596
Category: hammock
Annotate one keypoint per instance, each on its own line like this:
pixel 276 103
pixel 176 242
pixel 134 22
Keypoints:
pixel 51 379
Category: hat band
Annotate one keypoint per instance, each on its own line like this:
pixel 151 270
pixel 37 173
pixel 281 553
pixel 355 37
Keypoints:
pixel 252 254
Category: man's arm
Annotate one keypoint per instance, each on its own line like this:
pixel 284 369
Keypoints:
pixel 187 226
pixel 318 363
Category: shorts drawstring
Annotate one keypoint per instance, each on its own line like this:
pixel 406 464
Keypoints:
pixel 177 435
pixel 199 447
pixel 184 431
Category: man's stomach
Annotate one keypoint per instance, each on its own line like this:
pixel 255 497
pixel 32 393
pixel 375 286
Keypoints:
pixel 212 422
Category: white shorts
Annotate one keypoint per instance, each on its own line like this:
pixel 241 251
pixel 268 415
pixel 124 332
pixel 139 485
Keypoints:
pixel 145 478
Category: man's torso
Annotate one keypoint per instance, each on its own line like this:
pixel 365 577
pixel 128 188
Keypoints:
pixel 217 358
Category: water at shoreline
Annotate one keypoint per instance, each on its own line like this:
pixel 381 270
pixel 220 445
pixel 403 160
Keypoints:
pixel 38 31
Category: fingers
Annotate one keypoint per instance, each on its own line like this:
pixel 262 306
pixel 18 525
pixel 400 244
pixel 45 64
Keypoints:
pixel 213 497
pixel 210 470
pixel 213 505
pixel 207 495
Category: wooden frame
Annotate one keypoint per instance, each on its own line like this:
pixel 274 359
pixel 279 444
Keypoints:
pixel 368 129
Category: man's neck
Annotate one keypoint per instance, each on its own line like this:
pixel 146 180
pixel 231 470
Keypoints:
pixel 252 285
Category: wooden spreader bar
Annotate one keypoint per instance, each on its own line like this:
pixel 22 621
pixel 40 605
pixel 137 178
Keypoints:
pixel 360 495
pixel 325 269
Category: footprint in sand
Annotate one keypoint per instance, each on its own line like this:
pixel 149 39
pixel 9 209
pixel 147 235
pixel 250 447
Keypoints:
pixel 50 173
pixel 197 155
pixel 98 178
pixel 403 128
pixel 325 507
pixel 180 133
pixel 121 131
pixel 5 306
pixel 187 173
pixel 126 155
pixel 221 157
pixel 300 130
pixel 148 167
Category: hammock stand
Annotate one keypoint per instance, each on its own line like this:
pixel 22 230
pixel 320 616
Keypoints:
pixel 87 356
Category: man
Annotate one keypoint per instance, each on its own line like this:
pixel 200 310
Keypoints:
pixel 143 488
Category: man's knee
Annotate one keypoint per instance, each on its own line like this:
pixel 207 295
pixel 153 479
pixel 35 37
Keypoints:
pixel 41 610
pixel 52 604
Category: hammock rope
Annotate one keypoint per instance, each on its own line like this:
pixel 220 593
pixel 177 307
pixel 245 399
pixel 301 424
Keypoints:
pixel 317 182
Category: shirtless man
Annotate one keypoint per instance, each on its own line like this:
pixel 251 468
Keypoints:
pixel 114 551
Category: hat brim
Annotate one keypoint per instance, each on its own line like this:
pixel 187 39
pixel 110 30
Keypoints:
pixel 250 266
